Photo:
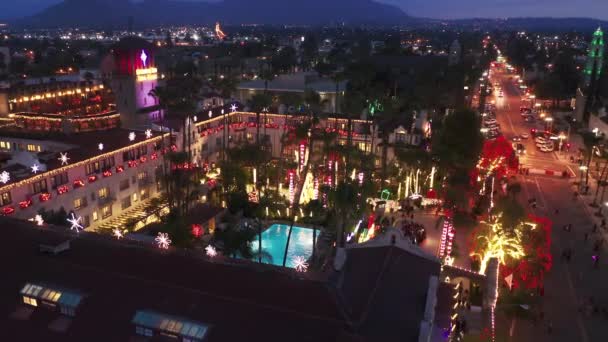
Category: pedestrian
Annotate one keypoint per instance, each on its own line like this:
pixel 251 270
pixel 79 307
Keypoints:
pixel 549 328
pixel 586 236
pixel 596 261
pixel 595 227
pixel 556 211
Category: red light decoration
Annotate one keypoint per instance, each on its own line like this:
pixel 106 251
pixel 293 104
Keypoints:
pixel 8 210
pixel 44 197
pixel 143 159
pixel 62 189
pixel 78 184
pixel 447 238
pixel 154 156
pixel 197 230
pixel 107 173
pixel 173 148
pixel 132 163
pixel 119 169
pixel 25 204
pixel 92 178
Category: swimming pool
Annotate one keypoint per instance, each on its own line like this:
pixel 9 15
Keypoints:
pixel 274 240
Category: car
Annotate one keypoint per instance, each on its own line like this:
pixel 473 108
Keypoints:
pixel 525 136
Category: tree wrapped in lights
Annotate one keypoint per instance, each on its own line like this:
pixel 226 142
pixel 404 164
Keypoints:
pixel 493 241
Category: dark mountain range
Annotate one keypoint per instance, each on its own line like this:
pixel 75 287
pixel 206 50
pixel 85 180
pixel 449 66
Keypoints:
pixel 534 24
pixel 105 13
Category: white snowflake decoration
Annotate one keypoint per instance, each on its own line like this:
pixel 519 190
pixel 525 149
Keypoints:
pixel 117 233
pixel 210 251
pixel 148 133
pixel 300 264
pixel 5 177
pixel 233 108
pixel 132 136
pixel 63 158
pixel 163 240
pixel 75 223
pixel 35 168
pixel 38 219
pixel 195 118
pixel 265 110
pixel 210 113
pixel 100 146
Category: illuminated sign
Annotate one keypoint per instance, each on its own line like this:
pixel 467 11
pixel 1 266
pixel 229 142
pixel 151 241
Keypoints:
pixel 147 74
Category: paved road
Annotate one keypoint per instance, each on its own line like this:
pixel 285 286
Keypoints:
pixel 568 284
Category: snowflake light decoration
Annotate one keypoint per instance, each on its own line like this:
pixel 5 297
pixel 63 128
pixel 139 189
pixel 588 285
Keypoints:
pixel 300 264
pixel 163 241
pixel 195 118
pixel 143 57
pixel 210 251
pixel 63 158
pixel 117 233
pixel 75 223
pixel 35 168
pixel 5 177
pixel 38 219
pixel 148 133
pixel 100 146
pixel 132 136
pixel 210 113
pixel 233 108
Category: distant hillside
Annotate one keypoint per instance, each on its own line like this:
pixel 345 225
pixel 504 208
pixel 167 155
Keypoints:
pixel 105 13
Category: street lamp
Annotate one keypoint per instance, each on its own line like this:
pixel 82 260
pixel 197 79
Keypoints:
pixel 583 168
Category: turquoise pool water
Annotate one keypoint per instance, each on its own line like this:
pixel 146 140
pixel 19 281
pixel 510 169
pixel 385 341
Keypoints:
pixel 274 240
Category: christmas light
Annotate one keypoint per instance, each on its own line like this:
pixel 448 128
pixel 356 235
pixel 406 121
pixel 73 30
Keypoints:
pixel 39 220
pixel 75 223
pixel 233 108
pixel 162 240
pixel 117 233
pixel 210 251
pixel 35 168
pixel 100 146
pixel 63 158
pixel 300 264
pixel 497 243
pixel 291 188
pixel 132 136
pixel 5 177
pixel 148 133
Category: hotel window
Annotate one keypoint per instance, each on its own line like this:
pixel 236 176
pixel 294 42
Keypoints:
pixel 400 137
pixel 143 331
pixel 142 175
pixel 92 168
pixel 39 186
pixel 366 147
pixel 59 180
pixel 5 145
pixel 80 203
pixel 144 194
pixel 5 198
pixel 103 193
pixel 95 216
pixel 107 163
pixel 106 211
pixel 30 301
pixel 33 148
pixel 124 184
pixel 86 222
pixel 125 203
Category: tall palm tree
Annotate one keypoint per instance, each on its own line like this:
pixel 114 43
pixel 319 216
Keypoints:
pixel 259 103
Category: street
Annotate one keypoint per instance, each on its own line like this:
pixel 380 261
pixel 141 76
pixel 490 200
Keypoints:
pixel 569 284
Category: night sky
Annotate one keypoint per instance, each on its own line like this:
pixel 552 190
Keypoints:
pixel 425 8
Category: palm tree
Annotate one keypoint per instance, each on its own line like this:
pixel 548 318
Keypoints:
pixel 590 140
pixel 260 103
